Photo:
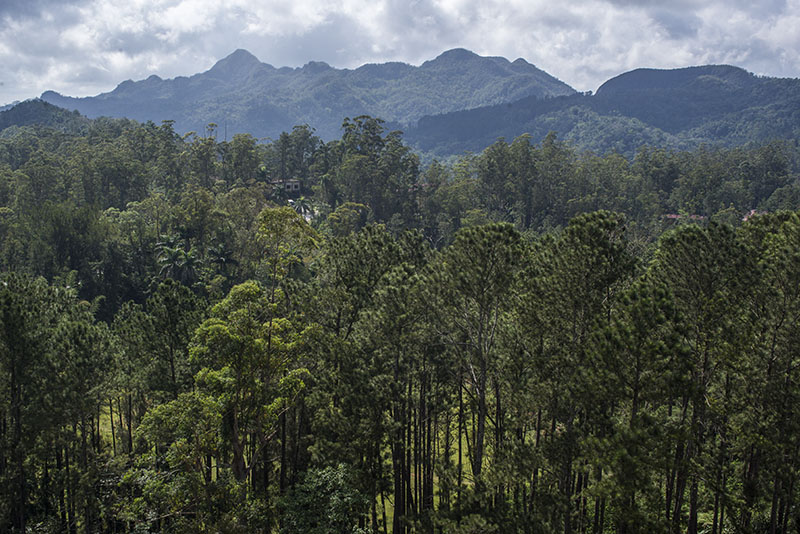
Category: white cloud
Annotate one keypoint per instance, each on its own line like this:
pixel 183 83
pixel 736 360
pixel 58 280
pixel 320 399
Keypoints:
pixel 83 47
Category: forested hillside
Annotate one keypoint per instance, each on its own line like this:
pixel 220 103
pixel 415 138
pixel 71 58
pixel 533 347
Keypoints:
pixel 206 335
pixel 679 109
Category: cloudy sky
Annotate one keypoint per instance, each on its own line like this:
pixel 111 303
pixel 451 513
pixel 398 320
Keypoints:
pixel 84 47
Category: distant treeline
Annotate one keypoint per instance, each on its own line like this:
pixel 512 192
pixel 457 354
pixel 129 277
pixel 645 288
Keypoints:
pixel 307 337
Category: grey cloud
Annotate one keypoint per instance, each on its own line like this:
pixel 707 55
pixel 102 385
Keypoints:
pixel 677 25
pixel 22 9
pixel 417 31
pixel 760 9
pixel 131 43
pixel 334 42
pixel 569 40
pixel 672 4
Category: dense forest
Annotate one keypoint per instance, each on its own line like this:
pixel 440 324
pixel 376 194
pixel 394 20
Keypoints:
pixel 298 336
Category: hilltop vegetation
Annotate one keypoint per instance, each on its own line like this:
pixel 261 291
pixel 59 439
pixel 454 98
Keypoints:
pixel 40 114
pixel 531 339
pixel 679 109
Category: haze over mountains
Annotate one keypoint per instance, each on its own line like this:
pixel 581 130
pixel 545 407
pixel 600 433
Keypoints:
pixel 459 102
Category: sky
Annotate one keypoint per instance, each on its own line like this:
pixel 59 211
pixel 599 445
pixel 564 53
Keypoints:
pixel 85 47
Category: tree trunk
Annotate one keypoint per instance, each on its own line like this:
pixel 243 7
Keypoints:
pixel 111 419
pixel 282 482
pixel 60 490
pixel 18 519
pixel 480 433
pixel 130 423
pixel 460 468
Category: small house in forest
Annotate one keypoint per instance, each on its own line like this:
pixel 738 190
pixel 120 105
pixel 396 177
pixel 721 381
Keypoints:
pixel 292 186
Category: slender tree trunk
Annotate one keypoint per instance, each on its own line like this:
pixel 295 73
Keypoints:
pixel 750 487
pixel 87 501
pixel 397 464
pixel 296 467
pixel 597 526
pixel 498 438
pixel 383 511
pixel 111 419
pixel 480 393
pixel 374 513
pixel 71 519
pixel 237 447
pixel 18 505
pixel 430 451
pixel 130 423
pixel 693 496
pixel 535 475
pixel 121 425
pixel 410 505
pixel 98 438
pixel 282 482
pixel 566 482
pixel 680 488
pixel 266 473
pixel 376 480
pixel 460 467
pixel 3 438
pixel 773 515
pixel 172 374
pixel 417 438
pixel 398 452
pixel 444 490
pixel 60 490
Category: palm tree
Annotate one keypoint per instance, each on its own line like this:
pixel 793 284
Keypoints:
pixel 222 256
pixel 170 259
pixel 279 194
pixel 168 240
pixel 179 265
pixel 191 265
pixel 302 206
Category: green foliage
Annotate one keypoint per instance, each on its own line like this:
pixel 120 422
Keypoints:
pixel 324 502
pixel 529 339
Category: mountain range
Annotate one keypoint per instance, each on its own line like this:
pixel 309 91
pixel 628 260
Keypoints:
pixel 243 95
pixel 679 109
pixel 454 103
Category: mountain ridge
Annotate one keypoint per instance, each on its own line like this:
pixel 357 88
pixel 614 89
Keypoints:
pixel 675 108
pixel 650 78
pixel 255 97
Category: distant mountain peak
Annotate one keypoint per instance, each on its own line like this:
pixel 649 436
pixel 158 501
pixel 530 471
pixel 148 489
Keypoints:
pixel 455 54
pixel 316 66
pixel 240 55
pixel 239 61
pixel 647 79
pixel 458 53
